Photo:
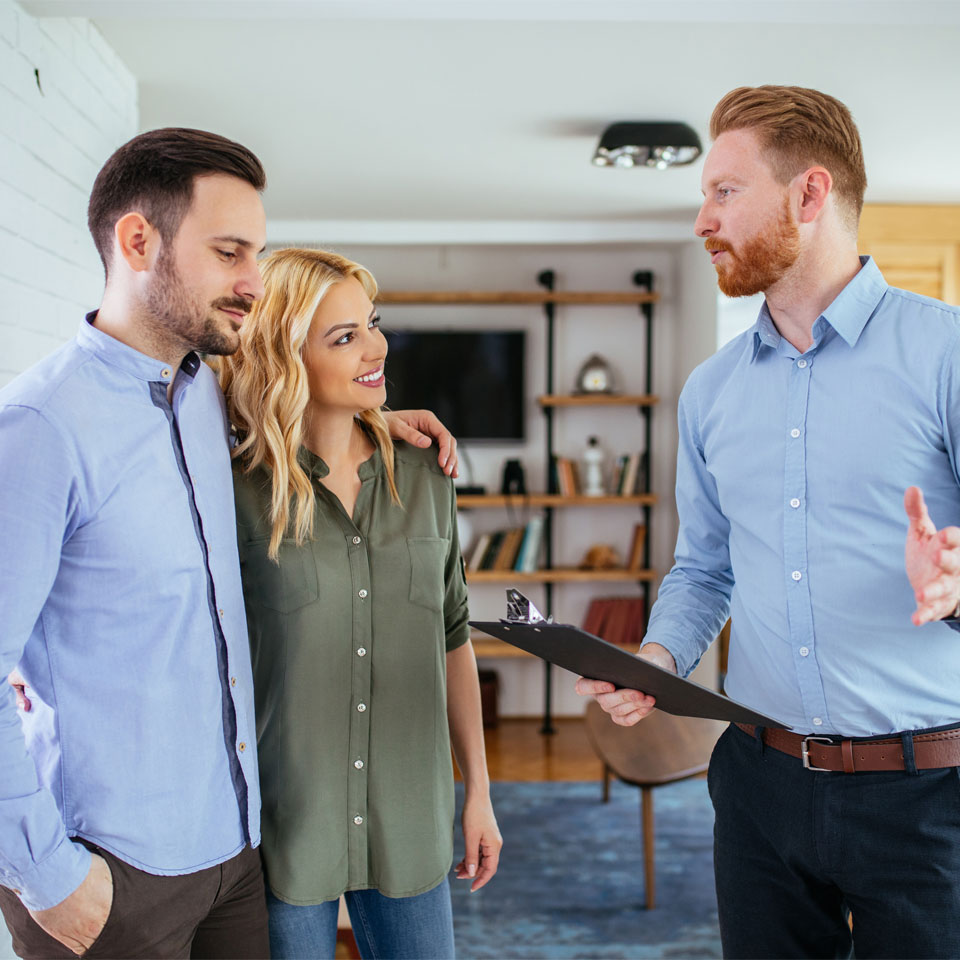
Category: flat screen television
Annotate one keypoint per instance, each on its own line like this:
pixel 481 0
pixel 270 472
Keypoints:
pixel 471 379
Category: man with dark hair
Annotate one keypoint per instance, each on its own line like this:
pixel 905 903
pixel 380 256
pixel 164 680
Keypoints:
pixel 129 817
pixel 802 441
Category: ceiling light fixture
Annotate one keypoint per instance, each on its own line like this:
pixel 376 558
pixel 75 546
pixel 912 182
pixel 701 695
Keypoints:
pixel 659 145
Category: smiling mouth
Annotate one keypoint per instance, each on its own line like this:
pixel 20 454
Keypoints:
pixel 235 315
pixel 372 379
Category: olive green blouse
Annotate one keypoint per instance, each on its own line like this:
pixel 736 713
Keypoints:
pixel 348 637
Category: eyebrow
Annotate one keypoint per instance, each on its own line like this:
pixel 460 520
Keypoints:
pixel 349 326
pixel 240 242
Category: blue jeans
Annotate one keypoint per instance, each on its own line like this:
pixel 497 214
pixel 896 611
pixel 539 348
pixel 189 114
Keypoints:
pixel 418 928
pixel 795 849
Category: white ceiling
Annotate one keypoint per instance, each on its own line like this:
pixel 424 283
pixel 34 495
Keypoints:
pixel 463 110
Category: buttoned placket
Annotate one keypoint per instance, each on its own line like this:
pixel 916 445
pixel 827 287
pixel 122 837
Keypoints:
pixel 170 400
pixel 795 551
pixel 190 366
pixel 361 708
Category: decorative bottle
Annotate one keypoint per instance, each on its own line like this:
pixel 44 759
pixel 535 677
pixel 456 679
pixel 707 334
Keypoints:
pixel 593 469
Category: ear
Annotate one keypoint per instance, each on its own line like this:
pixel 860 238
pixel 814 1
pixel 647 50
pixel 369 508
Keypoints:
pixel 815 186
pixel 137 241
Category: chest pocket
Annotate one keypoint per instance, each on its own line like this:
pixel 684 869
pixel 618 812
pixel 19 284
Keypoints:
pixel 286 587
pixel 427 558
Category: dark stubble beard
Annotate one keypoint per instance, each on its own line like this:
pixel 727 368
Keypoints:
pixel 757 264
pixel 186 319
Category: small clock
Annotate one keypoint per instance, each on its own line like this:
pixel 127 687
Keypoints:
pixel 595 376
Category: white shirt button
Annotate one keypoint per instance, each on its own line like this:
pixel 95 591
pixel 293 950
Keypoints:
pixel 361 707
pixel 794 433
pixel 801 363
pixel 361 651
pixel 165 373
pixel 358 764
pixel 796 574
pixel 356 539
pixel 362 594
pixel 804 651
pixel 358 819
pixel 794 503
pixel 817 721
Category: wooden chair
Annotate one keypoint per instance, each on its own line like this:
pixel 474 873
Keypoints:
pixel 660 749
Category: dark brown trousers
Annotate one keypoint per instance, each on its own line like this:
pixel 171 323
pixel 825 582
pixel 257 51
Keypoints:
pixel 213 914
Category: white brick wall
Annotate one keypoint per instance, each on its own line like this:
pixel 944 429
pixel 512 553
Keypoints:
pixel 54 137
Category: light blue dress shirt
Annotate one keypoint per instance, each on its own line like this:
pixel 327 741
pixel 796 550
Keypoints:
pixel 790 480
pixel 120 599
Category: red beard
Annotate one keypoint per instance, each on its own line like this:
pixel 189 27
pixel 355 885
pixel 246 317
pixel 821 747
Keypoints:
pixel 760 261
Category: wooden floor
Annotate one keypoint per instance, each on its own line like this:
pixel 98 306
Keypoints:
pixel 516 750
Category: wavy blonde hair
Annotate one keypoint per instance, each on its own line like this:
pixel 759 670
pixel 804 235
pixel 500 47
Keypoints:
pixel 265 382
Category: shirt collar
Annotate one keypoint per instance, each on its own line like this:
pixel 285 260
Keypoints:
pixel 131 361
pixel 316 468
pixel 765 332
pixel 856 302
pixel 848 314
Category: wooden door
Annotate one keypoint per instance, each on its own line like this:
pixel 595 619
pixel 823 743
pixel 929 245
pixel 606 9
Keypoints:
pixel 916 246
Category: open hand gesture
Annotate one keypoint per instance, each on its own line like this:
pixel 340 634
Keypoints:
pixel 933 561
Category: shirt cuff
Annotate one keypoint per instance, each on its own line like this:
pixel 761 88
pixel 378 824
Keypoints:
pixel 48 883
pixel 684 656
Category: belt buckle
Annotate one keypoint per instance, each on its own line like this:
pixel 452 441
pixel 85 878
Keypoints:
pixel 805 752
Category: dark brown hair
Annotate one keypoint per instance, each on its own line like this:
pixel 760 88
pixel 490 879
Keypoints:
pixel 154 172
pixel 798 128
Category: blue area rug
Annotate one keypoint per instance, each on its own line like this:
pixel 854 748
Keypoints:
pixel 570 883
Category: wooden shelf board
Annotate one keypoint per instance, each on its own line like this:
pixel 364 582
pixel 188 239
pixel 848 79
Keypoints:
pixel 560 575
pixel 596 297
pixel 552 500
pixel 484 646
pixel 599 400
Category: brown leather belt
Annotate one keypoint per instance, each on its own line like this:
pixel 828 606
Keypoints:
pixel 930 750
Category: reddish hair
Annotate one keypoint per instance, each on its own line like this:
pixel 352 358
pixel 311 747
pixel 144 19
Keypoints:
pixel 799 128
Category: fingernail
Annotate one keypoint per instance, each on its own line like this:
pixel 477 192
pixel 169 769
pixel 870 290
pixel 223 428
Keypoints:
pixel 471 870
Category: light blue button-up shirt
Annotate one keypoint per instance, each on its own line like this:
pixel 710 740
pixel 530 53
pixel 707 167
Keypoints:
pixel 790 480
pixel 120 599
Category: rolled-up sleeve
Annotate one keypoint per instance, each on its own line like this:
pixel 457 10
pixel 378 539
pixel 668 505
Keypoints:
pixel 694 598
pixel 38 506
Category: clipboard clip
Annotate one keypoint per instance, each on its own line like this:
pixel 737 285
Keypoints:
pixel 521 610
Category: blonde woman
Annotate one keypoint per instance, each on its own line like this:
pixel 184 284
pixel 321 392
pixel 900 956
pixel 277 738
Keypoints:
pixel 357 607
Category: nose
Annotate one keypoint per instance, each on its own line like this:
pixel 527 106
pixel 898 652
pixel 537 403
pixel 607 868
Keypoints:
pixel 375 347
pixel 250 284
pixel 706 224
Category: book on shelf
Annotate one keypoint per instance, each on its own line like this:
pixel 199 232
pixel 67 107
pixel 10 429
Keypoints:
pixel 509 548
pixel 617 620
pixel 565 473
pixel 529 554
pixel 618 468
pixel 501 549
pixel 493 548
pixel 635 553
pixel 478 551
pixel 630 474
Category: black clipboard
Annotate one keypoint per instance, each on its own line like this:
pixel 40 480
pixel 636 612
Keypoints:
pixel 589 656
